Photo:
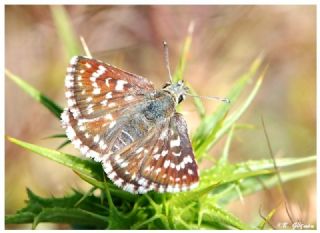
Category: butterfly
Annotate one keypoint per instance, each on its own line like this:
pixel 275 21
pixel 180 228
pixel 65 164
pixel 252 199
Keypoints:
pixel 120 119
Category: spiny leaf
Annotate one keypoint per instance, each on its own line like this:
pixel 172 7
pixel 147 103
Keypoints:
pixel 88 167
pixel 71 216
pixel 61 210
pixel 216 215
pixel 37 95
pixel 56 136
pixel 115 191
pixel 66 142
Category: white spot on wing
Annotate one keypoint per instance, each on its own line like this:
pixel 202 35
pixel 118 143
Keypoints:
pixel 70 69
pixel 161 189
pixel 120 84
pixel 176 154
pixel 156 156
pixel 96 138
pixel 109 95
pixel 164 153
pixel 112 175
pixel 74 60
pixel 104 102
pixel 174 143
pixel 102 145
pixel 96 91
pixel 124 164
pixel 176 188
pixel 107 82
pixel 194 185
pixel 69 94
pixel 166 163
pixel 77 143
pixel 109 116
pixel 111 105
pixel 187 159
pixel 112 124
pixel 93 154
pixel 82 128
pixel 128 98
pixel 107 167
pixel 139 150
pixel 71 102
pixel 129 188
pixel 142 189
pixel 84 149
pixel 89 99
pixel 118 182
pixel 170 189
pixel 157 171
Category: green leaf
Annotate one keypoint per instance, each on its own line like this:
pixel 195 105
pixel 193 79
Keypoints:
pixel 204 136
pixel 87 167
pixel 225 124
pixel 230 120
pixel 225 154
pixel 66 142
pixel 178 75
pixel 115 191
pixel 19 218
pixel 56 136
pixel 35 94
pixel 197 103
pixel 61 210
pixel 254 165
pixel 214 215
pixel 65 31
pixel 71 216
pixel 225 194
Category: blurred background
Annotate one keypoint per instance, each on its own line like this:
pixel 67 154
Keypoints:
pixel 226 40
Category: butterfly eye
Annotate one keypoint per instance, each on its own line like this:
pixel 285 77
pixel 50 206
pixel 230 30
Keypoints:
pixel 181 97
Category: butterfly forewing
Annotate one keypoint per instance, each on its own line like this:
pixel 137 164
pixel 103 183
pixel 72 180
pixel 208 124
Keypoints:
pixel 94 88
pixel 98 94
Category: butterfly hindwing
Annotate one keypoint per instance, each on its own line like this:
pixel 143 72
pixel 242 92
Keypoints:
pixel 171 166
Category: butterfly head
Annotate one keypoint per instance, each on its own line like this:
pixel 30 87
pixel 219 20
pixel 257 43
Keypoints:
pixel 177 90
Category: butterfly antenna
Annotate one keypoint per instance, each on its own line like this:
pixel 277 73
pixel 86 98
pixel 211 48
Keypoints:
pixel 225 100
pixel 166 59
